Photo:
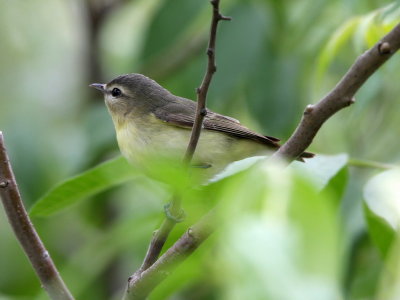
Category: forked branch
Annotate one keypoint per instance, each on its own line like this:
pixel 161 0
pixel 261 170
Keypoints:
pixel 183 247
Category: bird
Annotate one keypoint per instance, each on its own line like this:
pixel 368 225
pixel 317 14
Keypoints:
pixel 151 121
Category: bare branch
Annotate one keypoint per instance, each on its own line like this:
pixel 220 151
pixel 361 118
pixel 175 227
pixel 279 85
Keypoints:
pixel 203 89
pixel 160 236
pixel 341 96
pixel 26 233
pixel 157 242
pixel 142 284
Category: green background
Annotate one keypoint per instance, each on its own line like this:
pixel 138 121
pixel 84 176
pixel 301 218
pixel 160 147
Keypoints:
pixel 273 59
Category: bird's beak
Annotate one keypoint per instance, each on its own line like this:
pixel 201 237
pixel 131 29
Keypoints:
pixel 99 86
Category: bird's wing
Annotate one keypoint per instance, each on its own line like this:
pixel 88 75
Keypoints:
pixel 184 115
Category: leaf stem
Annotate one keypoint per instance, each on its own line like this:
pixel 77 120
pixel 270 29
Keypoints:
pixel 370 164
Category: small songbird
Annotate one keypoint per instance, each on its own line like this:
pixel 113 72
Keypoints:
pixel 148 119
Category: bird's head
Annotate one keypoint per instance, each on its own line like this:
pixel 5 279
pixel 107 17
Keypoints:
pixel 132 92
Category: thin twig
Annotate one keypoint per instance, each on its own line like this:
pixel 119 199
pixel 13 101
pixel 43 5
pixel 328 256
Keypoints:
pixel 160 237
pixel 141 285
pixel 156 244
pixel 26 233
pixel 341 96
pixel 161 234
pixel 201 110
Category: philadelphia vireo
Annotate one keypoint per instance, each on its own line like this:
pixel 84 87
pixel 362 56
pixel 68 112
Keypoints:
pixel 149 120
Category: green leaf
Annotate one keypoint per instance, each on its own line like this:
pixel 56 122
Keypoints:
pixel 323 168
pixel 237 167
pixel 93 257
pixel 389 286
pixel 381 195
pixel 289 242
pixel 365 30
pixel 341 36
pixel 86 184
pixel 363 267
pixel 382 235
pixel 167 25
pixel 337 184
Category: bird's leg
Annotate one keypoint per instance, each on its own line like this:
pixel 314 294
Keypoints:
pixel 174 216
pixel 202 165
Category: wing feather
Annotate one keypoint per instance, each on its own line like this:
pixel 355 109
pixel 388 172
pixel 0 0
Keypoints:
pixel 184 115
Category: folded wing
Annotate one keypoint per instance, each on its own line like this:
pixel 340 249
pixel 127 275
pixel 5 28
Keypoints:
pixel 184 115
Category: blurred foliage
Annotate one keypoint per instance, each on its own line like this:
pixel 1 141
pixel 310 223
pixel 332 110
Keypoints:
pixel 91 182
pixel 327 229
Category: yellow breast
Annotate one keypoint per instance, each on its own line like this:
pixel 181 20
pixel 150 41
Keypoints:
pixel 147 136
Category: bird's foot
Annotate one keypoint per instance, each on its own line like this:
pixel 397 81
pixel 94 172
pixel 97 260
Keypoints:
pixel 202 166
pixel 175 217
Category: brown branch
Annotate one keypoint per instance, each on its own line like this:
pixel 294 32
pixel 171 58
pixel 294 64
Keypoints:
pixel 341 96
pixel 157 242
pixel 160 236
pixel 201 110
pixel 142 284
pixel 26 233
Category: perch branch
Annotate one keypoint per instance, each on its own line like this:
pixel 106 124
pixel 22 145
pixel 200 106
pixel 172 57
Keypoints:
pixel 142 284
pixel 156 244
pixel 26 233
pixel 160 236
pixel 341 96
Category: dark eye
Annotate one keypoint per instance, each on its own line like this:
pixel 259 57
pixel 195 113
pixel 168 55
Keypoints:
pixel 116 92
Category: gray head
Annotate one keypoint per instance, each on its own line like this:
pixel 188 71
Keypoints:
pixel 132 92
